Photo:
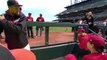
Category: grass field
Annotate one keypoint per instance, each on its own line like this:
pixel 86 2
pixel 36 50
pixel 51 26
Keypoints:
pixel 57 29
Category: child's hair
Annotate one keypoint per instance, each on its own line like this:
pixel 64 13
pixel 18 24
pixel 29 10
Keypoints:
pixel 100 49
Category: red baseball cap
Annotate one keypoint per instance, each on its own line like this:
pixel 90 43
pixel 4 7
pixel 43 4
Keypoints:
pixel 70 57
pixel 98 41
pixel 23 54
pixel 81 30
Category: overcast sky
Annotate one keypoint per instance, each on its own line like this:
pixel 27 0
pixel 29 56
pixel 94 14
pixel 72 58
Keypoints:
pixel 49 8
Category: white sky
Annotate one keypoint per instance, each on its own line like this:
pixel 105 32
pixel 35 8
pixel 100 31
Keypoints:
pixel 49 8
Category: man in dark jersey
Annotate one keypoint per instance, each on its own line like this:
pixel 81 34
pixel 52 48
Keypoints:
pixel 89 20
pixel 14 25
pixel 1 30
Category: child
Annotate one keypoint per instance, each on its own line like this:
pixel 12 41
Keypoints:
pixel 83 39
pixel 96 46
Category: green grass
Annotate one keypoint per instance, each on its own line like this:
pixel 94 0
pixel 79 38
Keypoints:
pixel 57 29
pixel 60 29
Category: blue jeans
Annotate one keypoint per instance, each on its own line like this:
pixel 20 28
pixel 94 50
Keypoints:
pixel 37 30
pixel 30 31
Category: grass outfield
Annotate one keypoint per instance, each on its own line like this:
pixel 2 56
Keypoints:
pixel 60 29
pixel 57 29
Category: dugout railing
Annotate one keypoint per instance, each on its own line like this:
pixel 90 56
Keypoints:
pixel 48 52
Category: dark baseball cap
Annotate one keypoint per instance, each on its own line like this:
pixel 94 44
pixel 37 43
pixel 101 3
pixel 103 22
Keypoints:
pixel 13 3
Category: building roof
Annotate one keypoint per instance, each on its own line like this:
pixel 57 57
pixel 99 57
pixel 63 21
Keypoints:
pixel 78 10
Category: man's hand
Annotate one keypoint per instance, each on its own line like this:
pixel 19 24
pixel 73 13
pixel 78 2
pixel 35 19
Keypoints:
pixel 2 17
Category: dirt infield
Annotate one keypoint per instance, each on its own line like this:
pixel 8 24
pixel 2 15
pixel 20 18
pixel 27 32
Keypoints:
pixel 54 38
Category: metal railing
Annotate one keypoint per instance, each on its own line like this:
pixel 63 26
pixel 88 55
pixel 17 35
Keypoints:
pixel 52 24
pixel 64 24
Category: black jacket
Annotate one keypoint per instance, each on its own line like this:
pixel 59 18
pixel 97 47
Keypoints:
pixel 1 28
pixel 15 31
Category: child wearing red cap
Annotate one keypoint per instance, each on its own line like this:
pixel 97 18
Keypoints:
pixel 96 46
pixel 83 38
pixel 70 57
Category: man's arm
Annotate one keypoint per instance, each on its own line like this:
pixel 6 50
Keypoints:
pixel 37 19
pixel 18 26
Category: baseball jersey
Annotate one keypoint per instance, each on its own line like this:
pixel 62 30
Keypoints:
pixel 95 56
pixel 83 41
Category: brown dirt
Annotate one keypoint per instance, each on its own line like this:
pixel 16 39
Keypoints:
pixel 54 38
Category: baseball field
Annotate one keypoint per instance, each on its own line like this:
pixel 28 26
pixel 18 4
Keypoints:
pixel 56 35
